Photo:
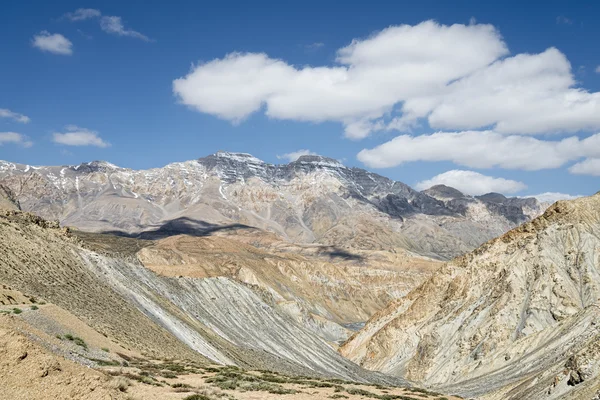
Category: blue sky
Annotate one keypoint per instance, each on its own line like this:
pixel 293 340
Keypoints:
pixel 97 87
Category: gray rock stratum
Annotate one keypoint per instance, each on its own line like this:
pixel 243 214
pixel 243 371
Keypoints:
pixel 518 318
pixel 312 200
pixel 213 320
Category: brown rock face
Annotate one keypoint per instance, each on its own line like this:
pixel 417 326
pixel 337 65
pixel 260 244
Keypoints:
pixel 518 306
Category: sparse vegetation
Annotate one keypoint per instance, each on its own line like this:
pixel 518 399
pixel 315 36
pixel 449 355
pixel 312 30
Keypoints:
pixel 105 349
pixel 221 380
pixel 104 363
pixel 77 340
pixel 120 383
pixel 197 397
pixel 180 385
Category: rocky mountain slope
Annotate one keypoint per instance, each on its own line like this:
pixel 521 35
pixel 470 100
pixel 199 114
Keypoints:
pixel 312 200
pixel 517 318
pixel 322 288
pixel 208 320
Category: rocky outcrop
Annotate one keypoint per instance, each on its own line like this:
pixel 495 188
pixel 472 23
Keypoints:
pixel 514 316
pixel 8 200
pixel 312 200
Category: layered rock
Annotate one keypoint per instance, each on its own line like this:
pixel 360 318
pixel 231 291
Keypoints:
pixel 518 315
pixel 209 320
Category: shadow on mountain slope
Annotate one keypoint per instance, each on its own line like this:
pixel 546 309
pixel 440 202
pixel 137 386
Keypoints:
pixel 180 226
pixel 345 255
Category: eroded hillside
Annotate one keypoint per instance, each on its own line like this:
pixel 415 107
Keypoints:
pixel 516 318
pixel 71 303
pixel 218 320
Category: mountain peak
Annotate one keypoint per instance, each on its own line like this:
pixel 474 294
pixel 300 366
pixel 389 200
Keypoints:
pixel 319 160
pixel 97 165
pixel 240 157
pixel 492 197
pixel 443 191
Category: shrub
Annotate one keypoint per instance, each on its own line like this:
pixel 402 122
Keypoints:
pixel 197 397
pixel 180 385
pixel 34 307
pixel 77 340
pixel 105 349
pixel 17 310
pixel 120 383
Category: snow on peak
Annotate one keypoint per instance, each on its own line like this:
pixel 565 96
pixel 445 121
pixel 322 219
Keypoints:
pixel 240 157
pixel 320 161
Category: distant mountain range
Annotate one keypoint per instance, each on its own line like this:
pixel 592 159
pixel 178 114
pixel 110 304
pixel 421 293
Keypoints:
pixel 312 200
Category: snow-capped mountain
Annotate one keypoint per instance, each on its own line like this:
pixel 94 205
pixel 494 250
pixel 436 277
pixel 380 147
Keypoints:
pixel 312 200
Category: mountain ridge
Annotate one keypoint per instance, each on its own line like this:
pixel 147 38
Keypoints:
pixel 314 199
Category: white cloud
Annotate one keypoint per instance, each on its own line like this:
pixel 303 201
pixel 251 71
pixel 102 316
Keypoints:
pixel 597 69
pixel 52 43
pixel 524 94
pixel 15 138
pixel 473 183
pixel 454 77
pixel 485 149
pixel 552 197
pixel 114 25
pixel 109 24
pixel 77 136
pixel 82 14
pixel 372 76
pixel 589 166
pixel 6 113
pixel 294 155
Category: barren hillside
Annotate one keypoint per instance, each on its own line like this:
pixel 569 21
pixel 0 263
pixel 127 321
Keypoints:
pixel 518 315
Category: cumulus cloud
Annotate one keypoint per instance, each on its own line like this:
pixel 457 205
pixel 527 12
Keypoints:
pixel 371 77
pixel 294 155
pixel 52 43
pixel 590 166
pixel 76 136
pixel 473 183
pixel 6 113
pixel 597 69
pixel 114 25
pixel 552 197
pixel 15 138
pixel 82 14
pixel 453 77
pixel 524 94
pixel 481 149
